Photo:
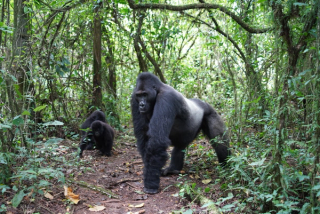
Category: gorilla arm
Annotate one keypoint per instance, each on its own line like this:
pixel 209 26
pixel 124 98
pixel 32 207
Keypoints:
pixel 160 125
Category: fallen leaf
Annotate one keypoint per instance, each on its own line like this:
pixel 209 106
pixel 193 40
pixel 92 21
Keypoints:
pixel 48 195
pixel 97 208
pixel 206 181
pixel 70 195
pixel 137 206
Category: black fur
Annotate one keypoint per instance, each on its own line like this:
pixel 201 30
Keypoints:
pixel 162 117
pixel 103 135
pixel 87 140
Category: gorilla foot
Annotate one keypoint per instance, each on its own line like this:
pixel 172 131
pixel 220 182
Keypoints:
pixel 150 191
pixel 168 171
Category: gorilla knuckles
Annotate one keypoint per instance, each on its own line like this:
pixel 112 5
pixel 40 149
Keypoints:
pixel 162 117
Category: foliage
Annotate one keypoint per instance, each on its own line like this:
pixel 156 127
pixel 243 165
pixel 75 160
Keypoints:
pixel 258 66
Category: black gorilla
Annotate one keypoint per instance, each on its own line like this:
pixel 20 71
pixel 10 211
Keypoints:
pixel 103 135
pixel 87 140
pixel 162 117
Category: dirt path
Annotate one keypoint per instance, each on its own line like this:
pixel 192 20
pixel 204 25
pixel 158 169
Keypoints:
pixel 121 174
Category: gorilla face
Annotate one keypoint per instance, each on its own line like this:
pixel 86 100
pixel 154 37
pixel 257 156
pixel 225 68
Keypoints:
pixel 146 98
pixel 142 99
pixel 97 134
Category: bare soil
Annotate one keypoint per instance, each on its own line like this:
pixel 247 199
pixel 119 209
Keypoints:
pixel 122 175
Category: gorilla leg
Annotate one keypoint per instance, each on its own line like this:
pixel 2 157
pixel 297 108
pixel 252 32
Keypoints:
pixel 214 128
pixel 82 147
pixel 155 157
pixel 106 145
pixel 176 164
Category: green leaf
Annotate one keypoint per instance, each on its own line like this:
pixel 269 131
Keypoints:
pixel 3 159
pixel 303 177
pixel 316 187
pixel 124 11
pixel 300 4
pixel 39 108
pixel 227 207
pixel 16 89
pixel 258 163
pixel 54 123
pixel 3 126
pixel 44 183
pixel 207 204
pixel 54 140
pixel 207 189
pixel 31 171
pixel 122 1
pixel 17 120
pixel 17 199
pixel 188 212
pixel 25 112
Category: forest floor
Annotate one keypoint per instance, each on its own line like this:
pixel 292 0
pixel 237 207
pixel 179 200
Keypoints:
pixel 122 175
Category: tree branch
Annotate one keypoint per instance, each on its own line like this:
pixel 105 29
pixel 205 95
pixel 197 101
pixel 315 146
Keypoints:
pixel 142 63
pixel 222 33
pixel 180 8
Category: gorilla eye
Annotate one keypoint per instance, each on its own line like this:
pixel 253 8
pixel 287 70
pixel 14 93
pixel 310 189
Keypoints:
pixel 142 94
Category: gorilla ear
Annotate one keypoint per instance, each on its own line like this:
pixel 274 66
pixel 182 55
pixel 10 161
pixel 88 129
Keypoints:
pixel 154 87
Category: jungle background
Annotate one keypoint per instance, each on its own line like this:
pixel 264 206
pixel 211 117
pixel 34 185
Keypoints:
pixel 255 61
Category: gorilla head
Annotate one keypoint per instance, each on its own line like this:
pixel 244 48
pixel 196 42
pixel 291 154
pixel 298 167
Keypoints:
pixel 146 94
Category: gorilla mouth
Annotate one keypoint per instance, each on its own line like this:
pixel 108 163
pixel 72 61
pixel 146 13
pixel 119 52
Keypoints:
pixel 142 110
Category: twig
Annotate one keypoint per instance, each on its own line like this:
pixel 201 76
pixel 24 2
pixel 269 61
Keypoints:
pixel 95 188
pixel 136 162
pixel 125 181
pixel 111 201
pixel 134 187
pixel 46 209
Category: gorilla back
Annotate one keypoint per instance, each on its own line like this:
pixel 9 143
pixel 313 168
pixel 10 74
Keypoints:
pixel 162 117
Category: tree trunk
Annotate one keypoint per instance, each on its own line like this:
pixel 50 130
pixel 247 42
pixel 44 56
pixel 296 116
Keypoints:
pixel 112 80
pixel 316 121
pixel 19 65
pixel 97 93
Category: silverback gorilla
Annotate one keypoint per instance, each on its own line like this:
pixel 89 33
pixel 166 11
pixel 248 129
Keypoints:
pixel 87 140
pixel 162 117
pixel 103 135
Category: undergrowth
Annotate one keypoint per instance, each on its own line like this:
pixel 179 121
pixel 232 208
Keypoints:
pixel 36 170
pixel 246 184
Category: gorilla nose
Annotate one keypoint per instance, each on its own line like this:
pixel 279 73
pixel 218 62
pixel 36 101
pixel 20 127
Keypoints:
pixel 141 105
